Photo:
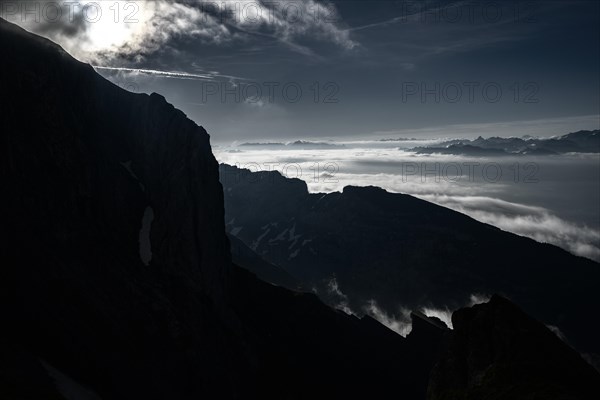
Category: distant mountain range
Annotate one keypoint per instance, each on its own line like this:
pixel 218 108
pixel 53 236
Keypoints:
pixel 296 145
pixel 117 279
pixel 576 142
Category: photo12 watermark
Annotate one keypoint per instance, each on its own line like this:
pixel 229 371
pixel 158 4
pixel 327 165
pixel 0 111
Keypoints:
pixel 247 13
pixel 455 172
pixel 467 12
pixel 254 172
pixel 91 12
pixel 469 92
pixel 268 92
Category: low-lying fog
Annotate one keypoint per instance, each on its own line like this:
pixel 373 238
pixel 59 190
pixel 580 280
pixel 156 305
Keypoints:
pixel 551 198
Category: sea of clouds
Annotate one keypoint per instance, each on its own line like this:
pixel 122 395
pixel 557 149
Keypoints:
pixel 552 199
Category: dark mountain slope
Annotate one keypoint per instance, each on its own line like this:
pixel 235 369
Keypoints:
pixel 310 351
pixel 248 259
pixel 402 251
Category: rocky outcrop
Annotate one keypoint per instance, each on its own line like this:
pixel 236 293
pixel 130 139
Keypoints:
pixel 498 352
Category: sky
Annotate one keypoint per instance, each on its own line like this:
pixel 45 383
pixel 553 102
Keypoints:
pixel 287 70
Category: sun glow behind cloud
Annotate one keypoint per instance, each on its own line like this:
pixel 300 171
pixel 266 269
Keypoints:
pixel 96 31
pixel 114 24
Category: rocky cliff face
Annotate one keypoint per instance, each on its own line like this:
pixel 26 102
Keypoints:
pixel 108 155
pixel 115 262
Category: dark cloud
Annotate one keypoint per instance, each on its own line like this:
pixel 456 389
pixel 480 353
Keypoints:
pixel 65 26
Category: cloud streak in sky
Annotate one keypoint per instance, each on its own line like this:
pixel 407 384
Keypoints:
pixel 166 74
pixel 209 76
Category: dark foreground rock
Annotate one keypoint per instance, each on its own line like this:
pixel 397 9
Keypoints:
pixel 498 352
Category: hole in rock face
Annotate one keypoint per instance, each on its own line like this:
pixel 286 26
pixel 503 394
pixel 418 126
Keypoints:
pixel 145 244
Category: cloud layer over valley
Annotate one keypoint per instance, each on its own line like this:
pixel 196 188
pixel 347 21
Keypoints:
pixel 552 199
